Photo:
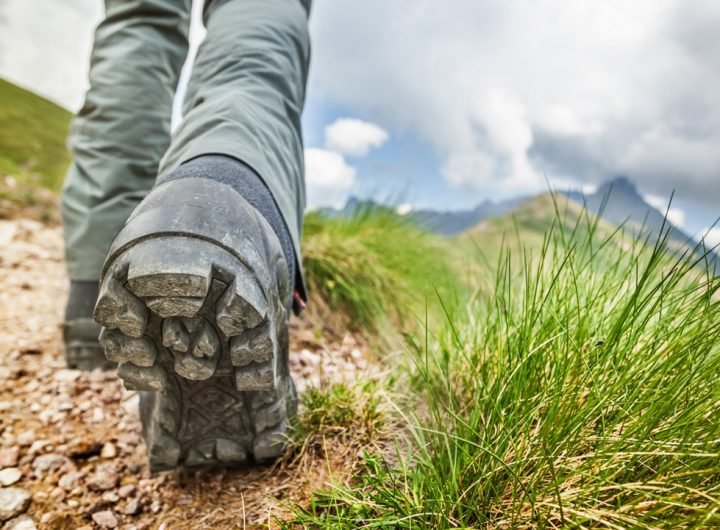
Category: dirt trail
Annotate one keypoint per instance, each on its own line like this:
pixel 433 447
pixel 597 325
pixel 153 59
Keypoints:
pixel 74 438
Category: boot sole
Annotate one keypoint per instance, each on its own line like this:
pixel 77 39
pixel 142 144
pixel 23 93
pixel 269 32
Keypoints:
pixel 205 335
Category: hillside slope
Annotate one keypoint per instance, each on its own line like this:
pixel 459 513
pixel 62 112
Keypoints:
pixel 32 136
pixel 33 156
pixel 526 226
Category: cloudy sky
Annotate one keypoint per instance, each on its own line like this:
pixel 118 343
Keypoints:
pixel 445 104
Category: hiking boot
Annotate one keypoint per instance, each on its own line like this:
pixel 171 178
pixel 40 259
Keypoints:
pixel 80 331
pixel 194 307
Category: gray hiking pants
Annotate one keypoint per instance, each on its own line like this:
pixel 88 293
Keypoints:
pixel 244 100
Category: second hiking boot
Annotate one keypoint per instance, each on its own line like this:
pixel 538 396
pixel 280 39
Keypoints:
pixel 80 331
pixel 193 302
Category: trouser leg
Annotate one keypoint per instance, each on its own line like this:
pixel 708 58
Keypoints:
pixel 123 129
pixel 246 94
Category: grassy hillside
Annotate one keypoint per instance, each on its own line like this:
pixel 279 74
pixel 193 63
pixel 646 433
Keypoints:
pixel 527 225
pixel 33 156
pixel 32 136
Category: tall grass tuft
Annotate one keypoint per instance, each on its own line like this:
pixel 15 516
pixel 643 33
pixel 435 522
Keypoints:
pixel 375 266
pixel 583 392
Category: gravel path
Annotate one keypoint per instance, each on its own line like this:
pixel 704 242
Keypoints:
pixel 71 451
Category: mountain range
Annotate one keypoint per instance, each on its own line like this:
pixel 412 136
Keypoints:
pixel 617 200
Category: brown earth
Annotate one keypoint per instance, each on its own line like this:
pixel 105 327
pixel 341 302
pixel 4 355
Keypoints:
pixel 75 437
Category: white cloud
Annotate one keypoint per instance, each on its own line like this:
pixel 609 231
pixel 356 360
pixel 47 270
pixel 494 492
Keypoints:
pixel 404 209
pixel 506 92
pixel 503 92
pixel 327 177
pixel 675 215
pixel 712 236
pixel 45 46
pixel 354 137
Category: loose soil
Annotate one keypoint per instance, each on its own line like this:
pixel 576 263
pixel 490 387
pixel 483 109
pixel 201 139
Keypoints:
pixel 75 436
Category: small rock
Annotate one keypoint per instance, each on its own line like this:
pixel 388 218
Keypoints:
pixel 126 491
pixel 24 522
pixel 110 496
pixel 58 494
pixel 66 376
pixel 132 507
pixel 105 478
pixel 37 446
pixel 49 462
pixel 8 229
pixel 13 502
pixel 26 438
pixel 108 451
pixel 105 519
pixel 9 476
pixel 70 481
pixel 9 456
pixel 155 507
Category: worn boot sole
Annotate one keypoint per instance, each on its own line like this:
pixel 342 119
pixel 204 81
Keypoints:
pixel 82 349
pixel 193 307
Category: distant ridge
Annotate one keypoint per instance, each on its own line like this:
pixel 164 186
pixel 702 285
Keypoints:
pixel 617 199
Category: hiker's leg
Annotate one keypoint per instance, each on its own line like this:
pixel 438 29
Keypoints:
pixel 123 129
pixel 195 289
pixel 117 141
pixel 246 95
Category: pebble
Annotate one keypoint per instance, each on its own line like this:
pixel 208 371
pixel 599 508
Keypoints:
pixel 13 502
pixel 97 415
pixel 49 462
pixel 9 476
pixel 37 446
pixel 66 376
pixel 58 494
pixel 105 519
pixel 132 507
pixel 9 456
pixel 70 481
pixel 105 478
pixel 24 522
pixel 108 450
pixel 126 491
pixel 110 496
pixel 26 438
pixel 8 229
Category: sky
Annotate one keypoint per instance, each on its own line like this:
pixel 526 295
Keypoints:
pixel 446 104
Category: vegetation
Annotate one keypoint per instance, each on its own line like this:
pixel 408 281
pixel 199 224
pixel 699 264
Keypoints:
pixel 33 157
pixel 32 137
pixel 581 392
pixel 375 268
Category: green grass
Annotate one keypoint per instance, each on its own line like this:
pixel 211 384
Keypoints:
pixel 32 136
pixel 353 413
pixel 375 267
pixel 582 391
